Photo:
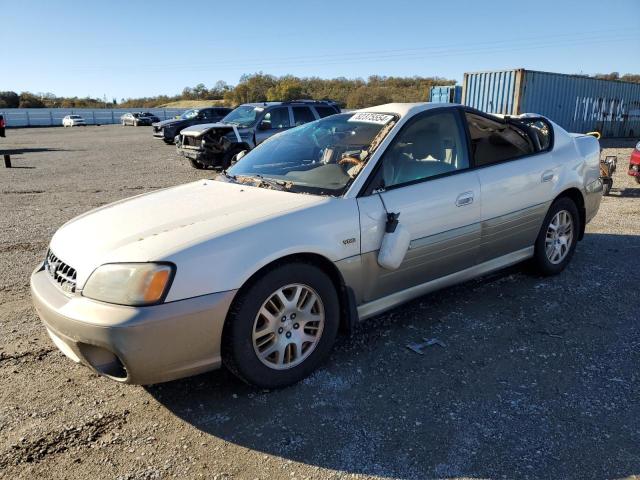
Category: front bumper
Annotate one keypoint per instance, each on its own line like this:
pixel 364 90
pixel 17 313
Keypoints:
pixel 161 133
pixel 140 345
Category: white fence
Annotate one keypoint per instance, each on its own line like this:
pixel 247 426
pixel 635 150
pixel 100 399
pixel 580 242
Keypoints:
pixel 47 117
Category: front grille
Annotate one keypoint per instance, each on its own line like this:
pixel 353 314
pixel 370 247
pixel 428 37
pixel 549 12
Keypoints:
pixel 61 273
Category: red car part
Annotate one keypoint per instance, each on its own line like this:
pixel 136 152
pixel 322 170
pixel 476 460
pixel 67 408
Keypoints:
pixel 634 163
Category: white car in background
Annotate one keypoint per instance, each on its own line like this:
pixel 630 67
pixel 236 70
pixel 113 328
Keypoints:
pixel 73 121
pixel 318 227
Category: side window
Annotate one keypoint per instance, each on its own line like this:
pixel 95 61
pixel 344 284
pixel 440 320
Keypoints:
pixel 429 145
pixel 276 118
pixel 302 115
pixel 325 111
pixel 493 141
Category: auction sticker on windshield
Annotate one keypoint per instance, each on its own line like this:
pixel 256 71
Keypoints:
pixel 367 117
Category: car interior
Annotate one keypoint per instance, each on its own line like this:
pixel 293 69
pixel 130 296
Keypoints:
pixel 276 118
pixel 427 147
pixel 493 141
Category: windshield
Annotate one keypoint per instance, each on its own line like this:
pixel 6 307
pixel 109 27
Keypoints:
pixel 189 114
pixel 243 116
pixel 320 157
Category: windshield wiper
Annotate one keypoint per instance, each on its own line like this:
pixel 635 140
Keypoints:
pixel 268 182
pixel 226 175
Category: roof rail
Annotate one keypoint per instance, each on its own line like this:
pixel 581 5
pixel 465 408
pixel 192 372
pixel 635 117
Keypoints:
pixel 305 100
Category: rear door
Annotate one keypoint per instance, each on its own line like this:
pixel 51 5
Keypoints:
pixel 425 176
pixel 517 174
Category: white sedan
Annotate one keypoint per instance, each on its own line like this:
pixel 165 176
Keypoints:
pixel 317 228
pixel 73 121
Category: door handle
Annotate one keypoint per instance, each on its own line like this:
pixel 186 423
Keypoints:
pixel 465 198
pixel 547 176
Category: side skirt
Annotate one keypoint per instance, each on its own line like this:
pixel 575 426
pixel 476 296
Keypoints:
pixel 380 305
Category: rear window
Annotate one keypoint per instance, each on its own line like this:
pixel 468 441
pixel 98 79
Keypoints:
pixel 325 111
pixel 302 115
pixel 540 131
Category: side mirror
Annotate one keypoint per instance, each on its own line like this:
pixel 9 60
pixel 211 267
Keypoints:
pixel 239 155
pixel 264 126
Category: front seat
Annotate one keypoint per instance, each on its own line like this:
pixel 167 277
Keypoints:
pixel 424 157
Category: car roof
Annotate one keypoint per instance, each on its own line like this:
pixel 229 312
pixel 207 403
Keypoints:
pixel 407 109
pixel 321 103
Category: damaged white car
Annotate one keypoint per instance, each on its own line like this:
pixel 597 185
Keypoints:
pixel 320 227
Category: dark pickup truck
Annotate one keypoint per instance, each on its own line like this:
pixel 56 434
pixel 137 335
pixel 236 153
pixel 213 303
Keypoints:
pixel 215 144
pixel 167 130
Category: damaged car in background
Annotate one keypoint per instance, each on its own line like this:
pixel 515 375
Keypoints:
pixel 168 130
pixel 320 227
pixel 215 144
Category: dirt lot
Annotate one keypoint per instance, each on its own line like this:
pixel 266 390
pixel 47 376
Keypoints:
pixel 539 377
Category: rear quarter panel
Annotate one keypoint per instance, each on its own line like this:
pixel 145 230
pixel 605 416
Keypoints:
pixel 580 159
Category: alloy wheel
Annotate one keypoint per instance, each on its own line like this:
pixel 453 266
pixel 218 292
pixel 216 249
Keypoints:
pixel 559 237
pixel 288 326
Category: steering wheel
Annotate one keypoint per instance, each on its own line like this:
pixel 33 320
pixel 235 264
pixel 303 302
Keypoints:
pixel 350 160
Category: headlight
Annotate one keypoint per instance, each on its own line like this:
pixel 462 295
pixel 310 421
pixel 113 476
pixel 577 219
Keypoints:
pixel 134 284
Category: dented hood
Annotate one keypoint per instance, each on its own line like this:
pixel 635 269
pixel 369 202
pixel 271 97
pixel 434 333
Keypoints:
pixel 154 226
pixel 199 130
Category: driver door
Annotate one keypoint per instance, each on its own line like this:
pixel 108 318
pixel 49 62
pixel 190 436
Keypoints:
pixel 424 175
pixel 275 120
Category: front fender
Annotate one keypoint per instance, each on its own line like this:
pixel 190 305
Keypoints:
pixel 330 229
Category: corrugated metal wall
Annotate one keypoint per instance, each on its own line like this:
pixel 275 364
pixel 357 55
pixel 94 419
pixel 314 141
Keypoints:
pixel 47 117
pixel 446 94
pixel 492 92
pixel 578 104
pixel 582 104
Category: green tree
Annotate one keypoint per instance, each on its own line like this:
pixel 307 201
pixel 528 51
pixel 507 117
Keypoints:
pixel 287 88
pixel 9 100
pixel 29 100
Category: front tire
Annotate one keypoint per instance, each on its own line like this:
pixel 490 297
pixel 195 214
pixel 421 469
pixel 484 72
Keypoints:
pixel 196 164
pixel 557 238
pixel 281 326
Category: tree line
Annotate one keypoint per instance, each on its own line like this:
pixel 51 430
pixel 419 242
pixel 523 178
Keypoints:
pixel 261 87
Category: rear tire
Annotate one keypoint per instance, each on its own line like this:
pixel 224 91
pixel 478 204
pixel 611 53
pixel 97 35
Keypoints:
pixel 300 332
pixel 557 238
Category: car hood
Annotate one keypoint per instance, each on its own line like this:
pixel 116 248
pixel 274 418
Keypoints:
pixel 157 225
pixel 198 130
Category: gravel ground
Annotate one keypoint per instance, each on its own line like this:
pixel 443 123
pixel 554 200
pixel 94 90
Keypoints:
pixel 538 379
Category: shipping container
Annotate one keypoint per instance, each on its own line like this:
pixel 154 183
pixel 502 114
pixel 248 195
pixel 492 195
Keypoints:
pixel 578 104
pixel 446 94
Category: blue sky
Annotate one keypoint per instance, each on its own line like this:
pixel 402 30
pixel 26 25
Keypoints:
pixel 132 48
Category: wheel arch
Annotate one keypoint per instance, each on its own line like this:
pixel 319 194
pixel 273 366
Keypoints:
pixel 348 311
pixel 577 197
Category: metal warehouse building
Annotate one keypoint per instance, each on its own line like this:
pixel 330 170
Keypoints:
pixel 578 104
